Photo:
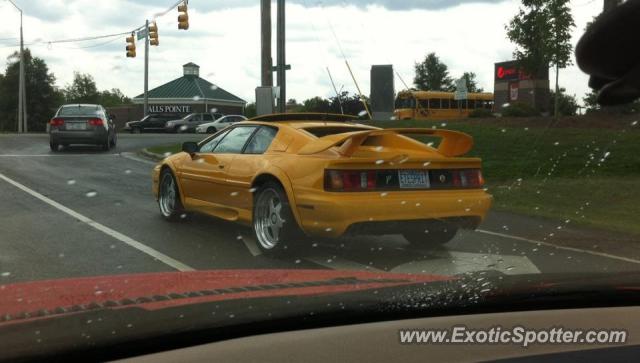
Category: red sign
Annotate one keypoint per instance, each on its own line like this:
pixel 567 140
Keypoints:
pixel 509 71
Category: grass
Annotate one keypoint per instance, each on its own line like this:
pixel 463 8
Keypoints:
pixel 589 175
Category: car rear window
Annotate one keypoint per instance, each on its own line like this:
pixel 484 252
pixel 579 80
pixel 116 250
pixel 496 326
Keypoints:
pixel 326 131
pixel 79 111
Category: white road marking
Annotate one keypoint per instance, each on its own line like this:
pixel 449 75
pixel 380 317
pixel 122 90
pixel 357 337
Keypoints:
pixel 454 263
pixel 572 249
pixel 252 245
pixel 341 264
pixel 104 229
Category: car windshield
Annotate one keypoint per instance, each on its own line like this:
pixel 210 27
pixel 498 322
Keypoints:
pixel 79 111
pixel 394 159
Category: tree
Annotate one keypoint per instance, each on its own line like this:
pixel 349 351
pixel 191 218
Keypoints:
pixel 591 101
pixel 542 34
pixel 472 84
pixel 250 110
pixel 567 105
pixel 82 90
pixel 42 96
pixel 316 104
pixel 432 75
pixel 112 98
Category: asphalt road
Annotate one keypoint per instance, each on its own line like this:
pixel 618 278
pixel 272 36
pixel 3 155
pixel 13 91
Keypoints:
pixel 85 212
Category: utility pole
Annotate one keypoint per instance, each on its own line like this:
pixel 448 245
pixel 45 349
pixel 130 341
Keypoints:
pixel 22 95
pixel 267 61
pixel 282 63
pixel 146 68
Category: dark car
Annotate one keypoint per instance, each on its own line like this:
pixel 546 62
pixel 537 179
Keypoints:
pixel 190 122
pixel 82 124
pixel 150 123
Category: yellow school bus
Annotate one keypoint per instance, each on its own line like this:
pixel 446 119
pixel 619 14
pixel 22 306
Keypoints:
pixel 428 105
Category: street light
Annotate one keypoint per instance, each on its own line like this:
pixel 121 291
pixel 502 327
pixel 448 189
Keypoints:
pixel 22 96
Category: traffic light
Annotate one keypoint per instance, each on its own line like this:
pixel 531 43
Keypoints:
pixel 131 46
pixel 153 34
pixel 183 17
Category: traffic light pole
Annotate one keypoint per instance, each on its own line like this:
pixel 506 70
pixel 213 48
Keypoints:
pixel 282 62
pixel 22 95
pixel 146 69
pixel 267 61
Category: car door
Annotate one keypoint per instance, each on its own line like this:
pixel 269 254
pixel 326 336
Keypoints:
pixel 194 122
pixel 204 177
pixel 245 166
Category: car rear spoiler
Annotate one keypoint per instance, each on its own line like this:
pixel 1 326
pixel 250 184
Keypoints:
pixel 453 143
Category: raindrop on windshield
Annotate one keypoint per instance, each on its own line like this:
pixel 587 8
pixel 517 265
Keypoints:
pixel 196 98
pixel 510 268
pixel 363 113
pixel 214 110
pixel 379 162
pixel 504 130
pixel 184 128
pixel 444 124
pixel 71 182
pixel 234 194
pixel 556 143
pixel 329 229
pixel 239 238
pixel 127 171
pixel 253 190
pixel 634 123
pixel 379 148
pixel 214 87
pixel 430 144
pixel 427 163
pixel 384 194
pixel 418 204
pixel 298 262
pixel 167 154
pixel 393 118
pixel 91 194
pixel 403 202
pixel 506 105
pixel 5 274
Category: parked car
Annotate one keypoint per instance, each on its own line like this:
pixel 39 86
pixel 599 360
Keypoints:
pixel 219 124
pixel 190 122
pixel 82 124
pixel 150 123
pixel 296 174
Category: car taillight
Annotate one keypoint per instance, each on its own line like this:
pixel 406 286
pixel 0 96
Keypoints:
pixel 56 121
pixel 350 180
pixel 470 178
pixel 95 122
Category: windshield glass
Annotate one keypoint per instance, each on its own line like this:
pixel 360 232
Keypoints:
pixel 492 167
pixel 79 111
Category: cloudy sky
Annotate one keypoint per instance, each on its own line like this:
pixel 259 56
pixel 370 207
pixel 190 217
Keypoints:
pixel 224 40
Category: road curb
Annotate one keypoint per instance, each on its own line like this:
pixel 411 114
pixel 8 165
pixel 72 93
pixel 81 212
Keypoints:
pixel 149 155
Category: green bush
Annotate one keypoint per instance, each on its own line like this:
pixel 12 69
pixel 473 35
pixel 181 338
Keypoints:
pixel 519 109
pixel 481 113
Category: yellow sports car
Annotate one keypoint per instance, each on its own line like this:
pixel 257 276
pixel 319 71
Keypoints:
pixel 326 176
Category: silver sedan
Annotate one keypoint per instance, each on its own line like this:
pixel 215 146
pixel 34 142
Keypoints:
pixel 82 124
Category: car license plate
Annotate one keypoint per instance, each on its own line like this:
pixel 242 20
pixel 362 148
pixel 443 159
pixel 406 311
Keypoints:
pixel 76 126
pixel 413 179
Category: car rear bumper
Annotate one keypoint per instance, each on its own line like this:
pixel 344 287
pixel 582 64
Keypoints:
pixel 78 137
pixel 334 214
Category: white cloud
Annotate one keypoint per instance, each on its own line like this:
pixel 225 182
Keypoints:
pixel 224 41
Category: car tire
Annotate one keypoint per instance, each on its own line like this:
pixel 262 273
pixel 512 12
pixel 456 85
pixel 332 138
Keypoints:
pixel 169 201
pixel 54 146
pixel 106 145
pixel 211 130
pixel 274 225
pixel 430 236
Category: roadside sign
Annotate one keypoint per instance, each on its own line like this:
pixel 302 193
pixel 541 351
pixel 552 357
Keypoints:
pixel 462 93
pixel 142 34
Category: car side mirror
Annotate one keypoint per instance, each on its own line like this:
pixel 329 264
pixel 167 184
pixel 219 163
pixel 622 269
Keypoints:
pixel 190 147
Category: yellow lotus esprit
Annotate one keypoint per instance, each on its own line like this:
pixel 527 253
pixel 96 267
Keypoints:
pixel 321 175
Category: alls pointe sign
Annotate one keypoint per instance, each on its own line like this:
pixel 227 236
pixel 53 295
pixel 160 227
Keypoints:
pixel 169 109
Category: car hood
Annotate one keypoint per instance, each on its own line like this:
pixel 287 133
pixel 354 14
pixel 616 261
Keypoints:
pixel 111 317
pixel 42 299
